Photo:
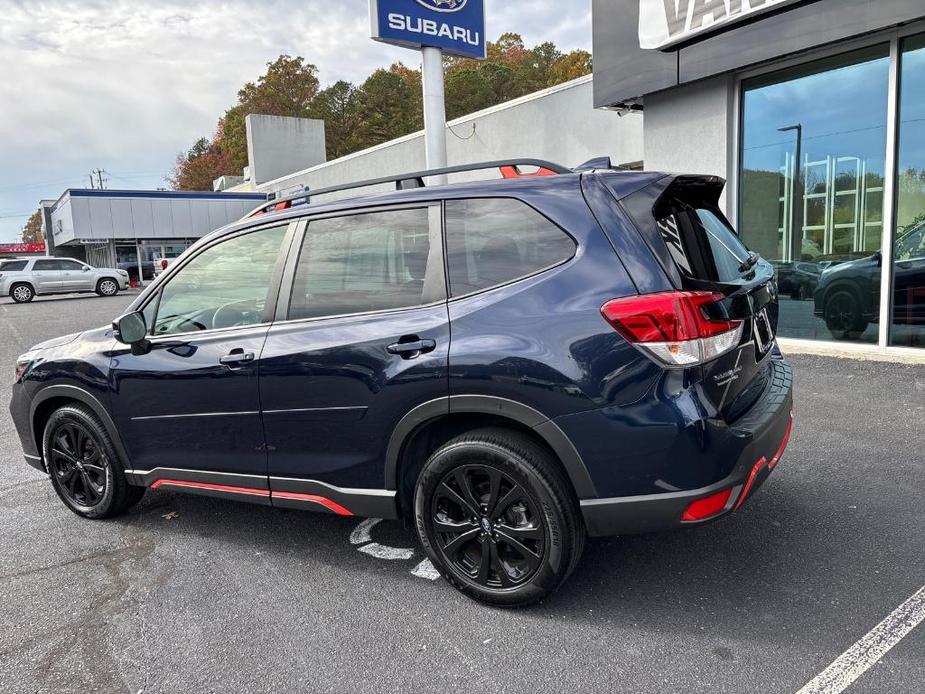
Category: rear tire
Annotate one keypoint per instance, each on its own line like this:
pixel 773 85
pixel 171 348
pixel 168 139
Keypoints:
pixel 107 287
pixel 85 469
pixel 22 293
pixel 496 518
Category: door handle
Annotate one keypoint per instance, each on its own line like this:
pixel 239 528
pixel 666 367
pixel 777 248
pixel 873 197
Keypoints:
pixel 411 346
pixel 237 356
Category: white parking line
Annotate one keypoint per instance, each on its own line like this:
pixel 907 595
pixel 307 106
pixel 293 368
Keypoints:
pixel 870 648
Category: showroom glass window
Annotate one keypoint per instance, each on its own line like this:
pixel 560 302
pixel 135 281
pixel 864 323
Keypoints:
pixel 812 181
pixel 908 324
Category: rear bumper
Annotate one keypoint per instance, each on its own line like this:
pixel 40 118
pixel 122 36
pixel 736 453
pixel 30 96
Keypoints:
pixel 766 431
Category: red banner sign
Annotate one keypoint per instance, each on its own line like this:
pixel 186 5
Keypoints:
pixel 14 248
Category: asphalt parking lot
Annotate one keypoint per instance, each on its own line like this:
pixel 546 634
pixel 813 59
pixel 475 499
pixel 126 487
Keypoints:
pixel 201 595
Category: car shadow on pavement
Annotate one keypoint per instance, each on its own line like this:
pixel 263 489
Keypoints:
pixel 744 568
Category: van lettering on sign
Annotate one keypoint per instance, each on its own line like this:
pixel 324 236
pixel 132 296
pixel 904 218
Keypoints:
pixel 665 23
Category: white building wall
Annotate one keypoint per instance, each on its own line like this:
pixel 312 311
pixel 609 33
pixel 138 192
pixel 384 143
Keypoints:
pixel 161 216
pixel 691 129
pixel 559 124
pixel 278 145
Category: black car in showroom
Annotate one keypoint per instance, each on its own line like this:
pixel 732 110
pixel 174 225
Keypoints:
pixel 848 295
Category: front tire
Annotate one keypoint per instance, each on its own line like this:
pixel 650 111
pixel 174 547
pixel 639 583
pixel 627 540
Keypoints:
pixel 107 287
pixel 84 467
pixel 843 315
pixel 496 519
pixel 22 293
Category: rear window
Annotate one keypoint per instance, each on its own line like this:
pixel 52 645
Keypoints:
pixel 491 242
pixel 13 265
pixel 702 243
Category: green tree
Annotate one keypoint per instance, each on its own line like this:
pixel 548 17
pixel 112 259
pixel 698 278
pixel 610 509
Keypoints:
pixel 387 109
pixel 32 229
pixel 338 107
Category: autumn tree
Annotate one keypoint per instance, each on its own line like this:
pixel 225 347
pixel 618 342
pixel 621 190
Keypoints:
pixel 287 88
pixel 385 106
pixel 32 229
pixel 205 161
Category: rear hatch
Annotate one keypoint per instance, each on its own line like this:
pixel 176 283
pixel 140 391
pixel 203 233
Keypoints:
pixel 680 220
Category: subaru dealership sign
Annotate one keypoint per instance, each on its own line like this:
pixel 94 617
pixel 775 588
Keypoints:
pixel 455 26
pixel 665 23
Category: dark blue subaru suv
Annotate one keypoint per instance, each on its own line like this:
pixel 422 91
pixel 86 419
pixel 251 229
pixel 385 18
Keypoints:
pixel 509 365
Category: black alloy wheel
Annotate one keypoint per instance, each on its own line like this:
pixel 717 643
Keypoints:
pixel 77 464
pixel 83 465
pixel 488 526
pixel 497 517
pixel 843 316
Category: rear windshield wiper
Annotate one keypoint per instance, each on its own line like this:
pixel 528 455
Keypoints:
pixel 749 262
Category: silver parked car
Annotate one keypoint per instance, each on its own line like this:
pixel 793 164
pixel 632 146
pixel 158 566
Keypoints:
pixel 23 278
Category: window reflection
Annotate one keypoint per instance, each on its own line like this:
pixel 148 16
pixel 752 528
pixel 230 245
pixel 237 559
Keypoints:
pixel 813 157
pixel 908 324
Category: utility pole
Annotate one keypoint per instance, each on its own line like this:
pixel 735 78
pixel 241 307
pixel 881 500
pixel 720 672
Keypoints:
pixel 99 178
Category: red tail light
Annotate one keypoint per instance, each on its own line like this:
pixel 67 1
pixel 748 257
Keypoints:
pixel 674 327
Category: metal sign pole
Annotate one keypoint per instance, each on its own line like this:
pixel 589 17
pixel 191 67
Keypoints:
pixel 434 110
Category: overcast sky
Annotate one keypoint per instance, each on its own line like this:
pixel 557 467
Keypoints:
pixel 124 86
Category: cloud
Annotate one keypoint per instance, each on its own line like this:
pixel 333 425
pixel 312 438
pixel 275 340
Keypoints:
pixel 127 85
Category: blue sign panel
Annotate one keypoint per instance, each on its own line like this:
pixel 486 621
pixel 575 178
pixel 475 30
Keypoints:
pixel 456 26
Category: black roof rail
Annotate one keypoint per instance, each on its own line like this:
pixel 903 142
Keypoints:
pixel 415 179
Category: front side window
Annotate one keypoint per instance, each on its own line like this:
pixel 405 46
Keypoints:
pixel 491 242
pixel 224 286
pixel 369 262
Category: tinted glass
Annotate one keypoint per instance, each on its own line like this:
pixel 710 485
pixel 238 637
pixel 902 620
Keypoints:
pixel 224 286
pixel 369 262
pixel 812 180
pixel 47 265
pixel 13 266
pixel 494 241
pixel 908 324
pixel 702 243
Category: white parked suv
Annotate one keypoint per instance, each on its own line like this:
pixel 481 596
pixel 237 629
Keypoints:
pixel 24 278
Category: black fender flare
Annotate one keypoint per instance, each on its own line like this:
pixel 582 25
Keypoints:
pixel 84 397
pixel 515 411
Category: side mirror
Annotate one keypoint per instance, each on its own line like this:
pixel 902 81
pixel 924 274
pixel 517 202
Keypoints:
pixel 86 269
pixel 132 329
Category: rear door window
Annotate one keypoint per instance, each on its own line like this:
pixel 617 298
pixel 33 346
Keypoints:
pixel 47 265
pixel 375 261
pixel 491 242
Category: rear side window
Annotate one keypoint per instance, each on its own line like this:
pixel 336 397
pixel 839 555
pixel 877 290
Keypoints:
pixel 47 265
pixel 702 243
pixel 369 262
pixel 13 266
pixel 495 241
